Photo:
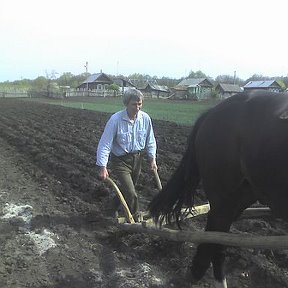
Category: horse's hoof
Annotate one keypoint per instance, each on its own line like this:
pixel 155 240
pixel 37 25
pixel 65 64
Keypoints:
pixel 221 284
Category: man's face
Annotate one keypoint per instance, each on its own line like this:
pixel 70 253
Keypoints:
pixel 133 107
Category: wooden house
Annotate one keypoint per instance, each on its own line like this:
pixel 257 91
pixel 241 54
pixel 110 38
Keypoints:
pixel 194 88
pixel 123 83
pixel 154 90
pixel 270 85
pixel 98 81
pixel 227 90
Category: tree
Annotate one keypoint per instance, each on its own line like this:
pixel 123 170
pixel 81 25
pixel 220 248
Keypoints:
pixel 40 83
pixel 115 88
pixel 22 84
pixel 39 87
pixel 65 79
pixel 282 84
pixel 228 79
pixel 140 79
pixel 78 79
pixel 258 77
pixel 197 74
pixel 284 81
pixel 165 81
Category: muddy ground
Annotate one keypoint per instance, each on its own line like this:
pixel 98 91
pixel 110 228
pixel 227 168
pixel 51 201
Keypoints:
pixel 56 230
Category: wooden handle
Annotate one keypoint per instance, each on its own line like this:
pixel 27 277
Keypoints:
pixel 122 200
pixel 157 178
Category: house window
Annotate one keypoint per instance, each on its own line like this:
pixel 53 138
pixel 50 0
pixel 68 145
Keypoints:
pixel 99 87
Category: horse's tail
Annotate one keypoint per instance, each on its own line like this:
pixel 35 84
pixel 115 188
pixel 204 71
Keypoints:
pixel 181 187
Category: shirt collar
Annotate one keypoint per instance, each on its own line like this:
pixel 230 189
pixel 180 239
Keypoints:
pixel 126 117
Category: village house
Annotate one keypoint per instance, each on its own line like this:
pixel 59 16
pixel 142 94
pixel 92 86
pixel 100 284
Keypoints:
pixel 98 81
pixel 227 90
pixel 154 90
pixel 123 83
pixel 194 88
pixel 97 84
pixel 270 85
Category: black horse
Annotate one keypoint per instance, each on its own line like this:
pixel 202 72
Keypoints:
pixel 238 151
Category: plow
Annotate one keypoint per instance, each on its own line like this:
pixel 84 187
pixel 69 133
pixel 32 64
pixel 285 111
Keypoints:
pixel 147 226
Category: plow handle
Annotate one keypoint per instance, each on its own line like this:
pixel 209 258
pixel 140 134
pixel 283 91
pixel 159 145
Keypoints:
pixel 122 200
pixel 157 178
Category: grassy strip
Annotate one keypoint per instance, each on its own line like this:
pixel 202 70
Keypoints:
pixel 181 112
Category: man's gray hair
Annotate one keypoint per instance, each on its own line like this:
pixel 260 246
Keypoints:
pixel 132 94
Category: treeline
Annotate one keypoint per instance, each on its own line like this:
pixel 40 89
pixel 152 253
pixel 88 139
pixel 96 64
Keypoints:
pixel 67 79
pixel 42 83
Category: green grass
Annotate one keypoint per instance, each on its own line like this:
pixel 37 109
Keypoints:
pixel 181 112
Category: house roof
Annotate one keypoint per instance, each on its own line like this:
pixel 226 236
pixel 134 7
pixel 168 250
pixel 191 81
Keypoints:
pixel 94 77
pixel 261 84
pixel 193 82
pixel 229 87
pixel 158 87
pixel 121 81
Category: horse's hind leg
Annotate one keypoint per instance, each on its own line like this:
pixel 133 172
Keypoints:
pixel 211 253
pixel 220 218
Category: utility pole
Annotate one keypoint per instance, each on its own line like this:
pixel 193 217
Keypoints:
pixel 87 84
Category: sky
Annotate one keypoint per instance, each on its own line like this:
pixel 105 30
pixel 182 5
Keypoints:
pixel 162 38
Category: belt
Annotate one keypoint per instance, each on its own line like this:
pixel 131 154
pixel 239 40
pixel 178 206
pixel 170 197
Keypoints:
pixel 134 153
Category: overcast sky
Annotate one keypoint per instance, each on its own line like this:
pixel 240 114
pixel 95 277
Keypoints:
pixel 155 37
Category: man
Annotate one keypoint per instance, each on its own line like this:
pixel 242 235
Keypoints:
pixel 127 134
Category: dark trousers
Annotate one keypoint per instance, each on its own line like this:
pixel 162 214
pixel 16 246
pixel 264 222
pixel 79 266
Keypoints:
pixel 127 170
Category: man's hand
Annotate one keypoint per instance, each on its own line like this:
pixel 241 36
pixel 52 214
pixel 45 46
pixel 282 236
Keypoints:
pixel 103 173
pixel 153 165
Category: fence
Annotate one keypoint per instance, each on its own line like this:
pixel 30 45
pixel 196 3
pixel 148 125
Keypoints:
pixel 58 94
pixel 92 93
pixel 14 94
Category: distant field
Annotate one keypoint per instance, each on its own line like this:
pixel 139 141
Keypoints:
pixel 181 111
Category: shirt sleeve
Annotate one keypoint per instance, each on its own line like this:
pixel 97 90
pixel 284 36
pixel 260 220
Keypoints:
pixel 151 142
pixel 105 143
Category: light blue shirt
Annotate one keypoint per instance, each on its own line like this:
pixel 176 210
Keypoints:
pixel 122 135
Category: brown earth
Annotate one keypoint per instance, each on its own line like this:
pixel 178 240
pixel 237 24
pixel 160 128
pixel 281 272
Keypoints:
pixel 64 236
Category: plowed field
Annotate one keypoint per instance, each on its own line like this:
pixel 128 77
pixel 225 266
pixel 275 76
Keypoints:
pixel 56 230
